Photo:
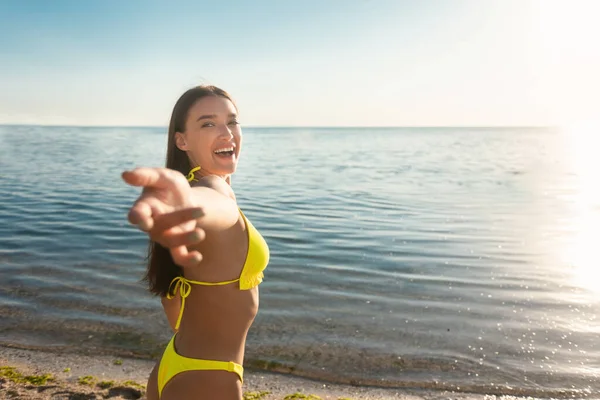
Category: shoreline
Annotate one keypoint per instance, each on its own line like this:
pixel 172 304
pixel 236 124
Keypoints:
pixel 88 377
pixel 132 371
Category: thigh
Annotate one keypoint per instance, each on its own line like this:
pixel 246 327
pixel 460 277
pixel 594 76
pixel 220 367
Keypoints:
pixel 203 385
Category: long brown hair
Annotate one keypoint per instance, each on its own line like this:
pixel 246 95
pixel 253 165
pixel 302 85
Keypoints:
pixel 161 268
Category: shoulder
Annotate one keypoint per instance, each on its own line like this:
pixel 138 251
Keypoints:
pixel 216 183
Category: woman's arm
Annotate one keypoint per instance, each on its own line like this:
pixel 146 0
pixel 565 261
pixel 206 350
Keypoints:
pixel 215 198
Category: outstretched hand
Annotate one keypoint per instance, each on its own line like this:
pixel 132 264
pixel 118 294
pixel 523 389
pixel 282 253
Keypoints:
pixel 164 210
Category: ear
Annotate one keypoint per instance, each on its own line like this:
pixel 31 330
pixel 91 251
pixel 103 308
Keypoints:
pixel 180 141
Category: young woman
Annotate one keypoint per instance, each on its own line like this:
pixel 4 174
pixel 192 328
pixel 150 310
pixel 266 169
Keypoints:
pixel 206 259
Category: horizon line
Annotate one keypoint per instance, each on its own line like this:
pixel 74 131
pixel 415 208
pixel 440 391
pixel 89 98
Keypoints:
pixel 293 126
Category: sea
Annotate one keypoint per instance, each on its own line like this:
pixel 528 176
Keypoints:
pixel 461 259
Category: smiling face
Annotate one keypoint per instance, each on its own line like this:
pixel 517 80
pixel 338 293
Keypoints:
pixel 212 138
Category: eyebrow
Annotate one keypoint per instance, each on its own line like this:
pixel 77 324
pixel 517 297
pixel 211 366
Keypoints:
pixel 214 116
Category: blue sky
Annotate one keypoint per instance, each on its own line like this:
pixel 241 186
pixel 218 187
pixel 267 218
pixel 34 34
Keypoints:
pixel 302 63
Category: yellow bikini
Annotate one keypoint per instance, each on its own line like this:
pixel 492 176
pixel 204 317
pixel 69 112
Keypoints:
pixel 251 276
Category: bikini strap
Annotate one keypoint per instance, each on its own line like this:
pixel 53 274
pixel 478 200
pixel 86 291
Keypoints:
pixel 190 176
pixel 184 290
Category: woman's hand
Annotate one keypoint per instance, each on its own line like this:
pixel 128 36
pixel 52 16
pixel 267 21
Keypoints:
pixel 165 211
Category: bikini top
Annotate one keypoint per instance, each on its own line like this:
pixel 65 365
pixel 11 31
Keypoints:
pixel 251 276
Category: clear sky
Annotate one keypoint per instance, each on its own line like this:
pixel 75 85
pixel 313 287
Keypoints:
pixel 302 63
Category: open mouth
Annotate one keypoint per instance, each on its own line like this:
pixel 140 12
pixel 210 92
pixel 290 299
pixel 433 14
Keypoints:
pixel 225 152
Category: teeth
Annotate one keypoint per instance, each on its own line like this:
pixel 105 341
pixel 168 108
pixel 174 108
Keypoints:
pixel 224 150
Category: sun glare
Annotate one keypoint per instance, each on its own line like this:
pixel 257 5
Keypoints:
pixel 583 254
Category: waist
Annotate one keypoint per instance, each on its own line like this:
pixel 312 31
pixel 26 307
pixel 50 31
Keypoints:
pixel 218 318
pixel 211 344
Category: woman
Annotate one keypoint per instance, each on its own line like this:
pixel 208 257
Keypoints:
pixel 206 259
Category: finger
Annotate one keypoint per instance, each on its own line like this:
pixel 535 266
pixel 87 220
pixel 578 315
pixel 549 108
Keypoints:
pixel 170 220
pixel 160 178
pixel 183 258
pixel 180 239
pixel 144 210
pixel 141 215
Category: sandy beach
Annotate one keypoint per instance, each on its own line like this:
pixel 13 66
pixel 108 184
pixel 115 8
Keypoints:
pixel 28 374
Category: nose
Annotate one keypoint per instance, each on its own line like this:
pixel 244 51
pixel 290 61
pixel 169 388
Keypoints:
pixel 226 132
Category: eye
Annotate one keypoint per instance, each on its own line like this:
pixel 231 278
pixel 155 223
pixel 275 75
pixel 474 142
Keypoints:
pixel 208 125
pixel 234 122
